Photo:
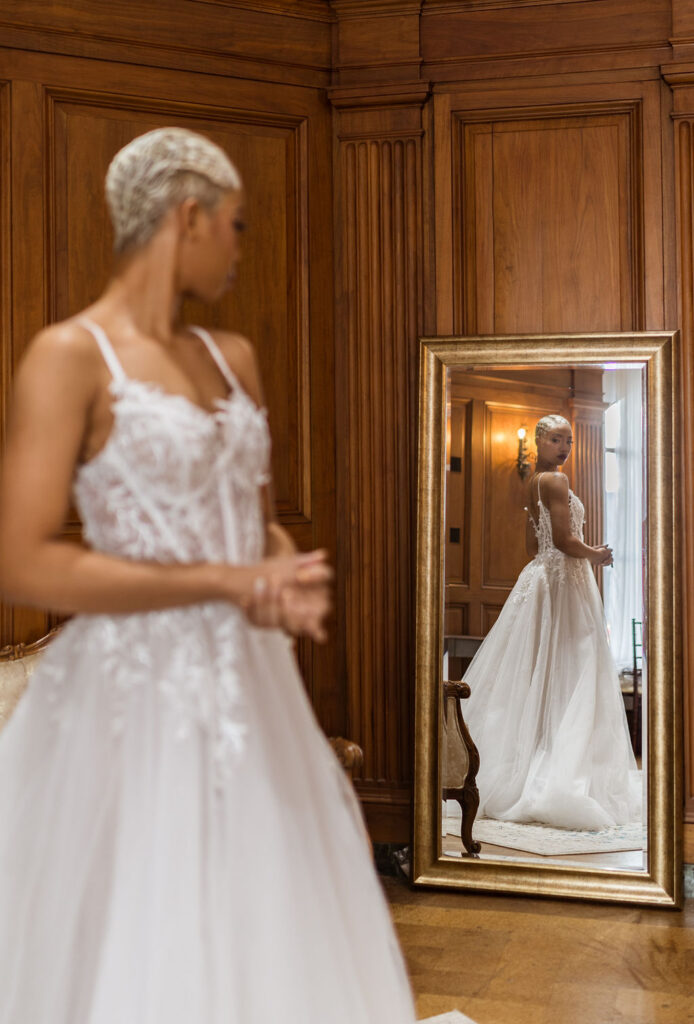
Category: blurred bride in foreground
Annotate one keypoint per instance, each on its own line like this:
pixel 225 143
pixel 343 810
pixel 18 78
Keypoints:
pixel 178 845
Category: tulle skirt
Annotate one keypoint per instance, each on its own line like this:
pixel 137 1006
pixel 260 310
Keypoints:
pixel 546 711
pixel 158 867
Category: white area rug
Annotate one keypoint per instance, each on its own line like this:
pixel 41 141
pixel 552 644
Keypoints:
pixel 454 1017
pixel 552 842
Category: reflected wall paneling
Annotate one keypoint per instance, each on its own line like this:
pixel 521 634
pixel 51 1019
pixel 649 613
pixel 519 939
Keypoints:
pixel 485 502
pixel 378 215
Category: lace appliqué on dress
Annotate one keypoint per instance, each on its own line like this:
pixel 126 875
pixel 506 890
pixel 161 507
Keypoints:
pixel 174 484
pixel 558 566
pixel 190 654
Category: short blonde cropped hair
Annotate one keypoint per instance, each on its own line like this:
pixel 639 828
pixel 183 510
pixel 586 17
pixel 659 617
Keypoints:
pixel 549 423
pixel 158 170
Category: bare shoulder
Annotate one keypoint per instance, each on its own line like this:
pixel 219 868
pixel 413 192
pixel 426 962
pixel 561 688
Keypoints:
pixel 555 485
pixel 241 356
pixel 62 351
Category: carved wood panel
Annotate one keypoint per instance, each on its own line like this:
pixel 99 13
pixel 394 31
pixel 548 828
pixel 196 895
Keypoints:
pixel 684 168
pixel 548 210
pixel 379 225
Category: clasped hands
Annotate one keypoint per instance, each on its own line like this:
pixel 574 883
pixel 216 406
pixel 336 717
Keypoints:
pixel 290 592
pixel 603 555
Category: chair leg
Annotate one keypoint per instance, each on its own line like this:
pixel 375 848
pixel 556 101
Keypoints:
pixel 470 800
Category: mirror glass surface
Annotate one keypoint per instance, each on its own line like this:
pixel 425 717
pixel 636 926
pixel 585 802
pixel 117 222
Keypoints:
pixel 551 645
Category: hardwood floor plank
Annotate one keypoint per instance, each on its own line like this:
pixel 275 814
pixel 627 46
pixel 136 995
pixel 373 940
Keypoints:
pixel 506 960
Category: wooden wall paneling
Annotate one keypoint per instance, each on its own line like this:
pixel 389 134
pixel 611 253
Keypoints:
pixel 447 212
pixel 638 108
pixel 376 42
pixel 284 42
pixel 458 492
pixel 683 116
pixel 379 298
pixel 492 515
pixel 474 525
pixel 456 617
pixel 682 38
pixel 5 289
pixel 490 613
pixel 496 39
pixel 29 173
pixel 551 211
pixel 504 495
pixel 281 137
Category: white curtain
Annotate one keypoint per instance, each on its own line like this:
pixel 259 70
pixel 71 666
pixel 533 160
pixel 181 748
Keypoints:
pixel 623 591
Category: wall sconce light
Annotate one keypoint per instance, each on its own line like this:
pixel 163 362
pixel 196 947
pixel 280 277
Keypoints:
pixel 522 462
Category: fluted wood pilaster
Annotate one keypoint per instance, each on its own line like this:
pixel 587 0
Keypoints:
pixel 379 319
pixel 684 206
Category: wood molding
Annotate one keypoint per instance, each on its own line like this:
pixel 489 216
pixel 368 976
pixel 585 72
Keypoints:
pixel 387 811
pixel 689 844
pixel 684 187
pixel 379 299
pixel 376 41
pixel 438 7
pixel 357 9
pixel 260 45
pixel 529 31
pixel 355 97
pixel 306 10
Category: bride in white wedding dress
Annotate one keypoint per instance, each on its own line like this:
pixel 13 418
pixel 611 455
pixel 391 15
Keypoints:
pixel 178 844
pixel 546 710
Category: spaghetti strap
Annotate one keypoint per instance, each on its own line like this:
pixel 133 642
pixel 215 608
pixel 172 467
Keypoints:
pixel 106 348
pixel 214 350
pixel 539 478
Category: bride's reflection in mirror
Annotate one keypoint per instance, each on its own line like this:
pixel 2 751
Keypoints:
pixel 551 680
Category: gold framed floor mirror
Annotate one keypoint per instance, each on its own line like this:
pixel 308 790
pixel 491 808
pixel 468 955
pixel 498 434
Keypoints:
pixel 480 399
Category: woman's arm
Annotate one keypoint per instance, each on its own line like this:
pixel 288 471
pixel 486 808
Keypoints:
pixel 55 389
pixel 555 495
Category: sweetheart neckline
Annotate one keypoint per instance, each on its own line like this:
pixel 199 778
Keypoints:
pixel 211 416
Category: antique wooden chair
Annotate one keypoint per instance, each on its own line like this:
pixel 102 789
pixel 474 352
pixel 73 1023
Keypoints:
pixel 17 662
pixel 460 763
pixel 460 757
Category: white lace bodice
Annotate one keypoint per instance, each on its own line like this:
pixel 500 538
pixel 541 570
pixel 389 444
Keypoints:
pixel 543 526
pixel 556 566
pixel 175 483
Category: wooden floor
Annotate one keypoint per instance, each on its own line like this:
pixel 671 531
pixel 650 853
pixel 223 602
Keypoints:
pixel 504 960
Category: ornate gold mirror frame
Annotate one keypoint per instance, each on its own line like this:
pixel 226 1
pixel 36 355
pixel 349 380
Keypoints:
pixel 661 883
